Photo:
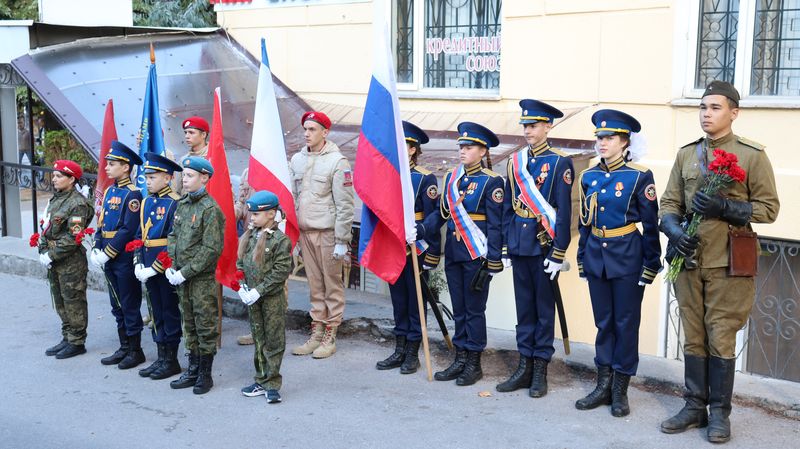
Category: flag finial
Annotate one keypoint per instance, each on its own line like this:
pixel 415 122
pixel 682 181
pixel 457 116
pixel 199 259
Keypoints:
pixel 152 54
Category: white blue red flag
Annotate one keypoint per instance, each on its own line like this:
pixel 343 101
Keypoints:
pixel 268 169
pixel 382 178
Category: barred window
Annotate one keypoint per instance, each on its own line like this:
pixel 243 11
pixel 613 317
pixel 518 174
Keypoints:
pixel 454 44
pixel 776 48
pixel 716 45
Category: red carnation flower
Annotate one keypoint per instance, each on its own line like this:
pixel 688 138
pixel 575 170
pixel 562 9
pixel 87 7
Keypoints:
pixel 34 240
pixel 239 275
pixel 133 245
pixel 79 237
pixel 164 259
pixel 89 231
pixel 235 286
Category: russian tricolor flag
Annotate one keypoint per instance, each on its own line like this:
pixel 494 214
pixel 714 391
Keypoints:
pixel 382 178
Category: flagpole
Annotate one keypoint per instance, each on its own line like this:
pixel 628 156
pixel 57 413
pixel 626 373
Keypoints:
pixel 422 322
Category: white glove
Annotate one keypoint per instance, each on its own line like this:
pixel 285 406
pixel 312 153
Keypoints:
pixel 83 190
pixel 45 260
pixel 146 273
pixel 506 262
pixel 552 268
pixel 641 284
pixel 427 267
pixel 177 278
pixel 249 296
pixel 169 273
pixel 100 258
pixel 136 269
pixel 339 251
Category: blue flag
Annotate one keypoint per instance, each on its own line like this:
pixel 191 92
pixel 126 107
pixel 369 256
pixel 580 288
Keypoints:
pixel 151 137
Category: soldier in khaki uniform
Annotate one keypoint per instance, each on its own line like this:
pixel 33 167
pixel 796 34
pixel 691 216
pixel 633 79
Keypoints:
pixel 322 183
pixel 713 305
pixel 67 215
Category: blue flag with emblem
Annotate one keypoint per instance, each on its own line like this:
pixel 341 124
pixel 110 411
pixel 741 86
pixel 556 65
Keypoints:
pixel 151 136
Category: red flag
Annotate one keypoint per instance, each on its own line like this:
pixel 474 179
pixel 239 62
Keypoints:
pixel 109 134
pixel 219 187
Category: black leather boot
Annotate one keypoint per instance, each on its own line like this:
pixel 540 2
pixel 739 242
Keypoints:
pixel 521 378
pixel 71 350
pixel 619 395
pixel 602 392
pixel 120 353
pixel 53 350
pixel 135 356
pixel 539 381
pixel 472 370
pixel 204 380
pixel 397 357
pixel 145 372
pixel 189 377
pixel 411 358
pixel 170 366
pixel 720 381
pixel 455 368
pixel 694 413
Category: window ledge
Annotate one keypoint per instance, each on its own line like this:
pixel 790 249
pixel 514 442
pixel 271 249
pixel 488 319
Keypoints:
pixel 459 94
pixel 749 103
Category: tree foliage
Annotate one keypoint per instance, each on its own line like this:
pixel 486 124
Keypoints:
pixel 174 13
pixel 19 10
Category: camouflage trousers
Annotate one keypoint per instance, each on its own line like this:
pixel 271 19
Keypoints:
pixel 268 325
pixel 68 289
pixel 199 309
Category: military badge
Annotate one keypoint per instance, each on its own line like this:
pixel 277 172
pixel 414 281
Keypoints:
pixel 348 178
pixel 650 192
pixel 433 192
pixel 568 176
pixel 76 229
pixel 497 195
pixel 619 187
pixel 134 205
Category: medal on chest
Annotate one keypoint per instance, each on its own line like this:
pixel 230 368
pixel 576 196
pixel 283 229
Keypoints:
pixel 543 174
pixel 619 187
pixel 471 188
pixel 160 211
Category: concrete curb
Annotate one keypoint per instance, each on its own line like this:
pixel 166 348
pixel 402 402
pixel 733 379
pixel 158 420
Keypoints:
pixel 370 315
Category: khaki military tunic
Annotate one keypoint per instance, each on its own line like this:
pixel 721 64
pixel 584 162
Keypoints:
pixel 713 305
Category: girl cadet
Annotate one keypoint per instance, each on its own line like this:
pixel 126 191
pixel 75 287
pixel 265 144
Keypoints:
pixel 472 204
pixel 66 217
pixel 407 330
pixel 615 258
pixel 265 257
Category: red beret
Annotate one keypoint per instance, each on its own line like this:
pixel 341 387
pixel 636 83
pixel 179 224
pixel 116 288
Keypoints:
pixel 68 168
pixel 196 123
pixel 318 117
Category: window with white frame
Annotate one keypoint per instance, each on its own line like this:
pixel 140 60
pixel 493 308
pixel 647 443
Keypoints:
pixel 442 45
pixel 754 44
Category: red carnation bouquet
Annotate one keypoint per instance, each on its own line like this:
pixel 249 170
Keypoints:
pixel 34 242
pixel 85 235
pixel 238 283
pixel 164 259
pixel 723 171
pixel 133 245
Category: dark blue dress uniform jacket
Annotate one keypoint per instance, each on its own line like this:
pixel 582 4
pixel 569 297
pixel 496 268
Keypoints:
pixel 426 203
pixel 119 220
pixel 157 215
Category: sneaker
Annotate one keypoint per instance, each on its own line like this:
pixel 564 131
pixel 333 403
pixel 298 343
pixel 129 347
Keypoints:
pixel 273 397
pixel 253 390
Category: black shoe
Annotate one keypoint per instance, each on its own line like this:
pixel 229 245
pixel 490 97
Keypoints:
pixel 619 395
pixel 120 353
pixel 273 397
pixel 694 413
pixel 539 382
pixel 204 380
pixel 602 392
pixel 53 350
pixel 454 370
pixel 189 377
pixel 472 370
pixel 720 381
pixel 397 357
pixel 145 372
pixel 170 366
pixel 71 350
pixel 521 377
pixel 411 358
pixel 135 356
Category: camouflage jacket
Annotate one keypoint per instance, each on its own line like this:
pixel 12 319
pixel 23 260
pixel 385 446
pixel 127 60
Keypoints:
pixel 195 242
pixel 269 276
pixel 67 214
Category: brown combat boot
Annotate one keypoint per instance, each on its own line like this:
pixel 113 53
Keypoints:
pixel 328 345
pixel 317 332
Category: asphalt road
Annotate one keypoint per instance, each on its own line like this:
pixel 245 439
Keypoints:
pixel 341 402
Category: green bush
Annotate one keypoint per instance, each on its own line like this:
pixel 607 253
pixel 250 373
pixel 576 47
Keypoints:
pixel 61 145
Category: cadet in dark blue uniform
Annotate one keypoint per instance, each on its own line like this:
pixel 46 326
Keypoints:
pixel 536 217
pixel 117 226
pixel 157 214
pixel 407 329
pixel 472 204
pixel 616 259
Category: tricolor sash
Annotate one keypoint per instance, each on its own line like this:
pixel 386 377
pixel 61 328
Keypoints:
pixel 530 196
pixel 470 233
